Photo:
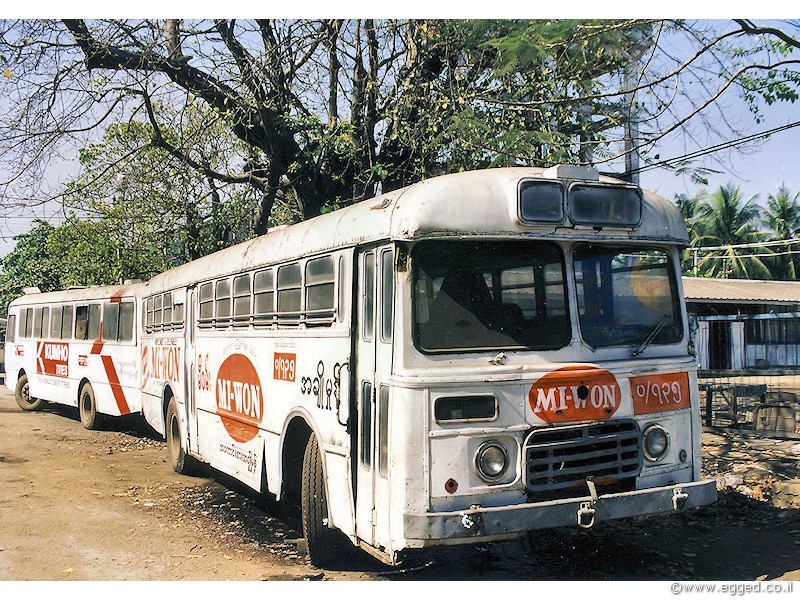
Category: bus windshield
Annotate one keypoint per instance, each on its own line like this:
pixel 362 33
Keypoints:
pixel 473 296
pixel 626 296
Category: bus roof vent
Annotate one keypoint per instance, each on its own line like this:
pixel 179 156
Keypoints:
pixel 130 281
pixel 572 172
pixel 31 290
pixel 77 287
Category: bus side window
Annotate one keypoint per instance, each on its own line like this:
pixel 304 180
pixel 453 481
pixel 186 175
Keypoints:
pixel 206 298
pixel 368 325
pixel 28 322
pixel 23 323
pixel 148 323
pixel 383 431
pixel 263 297
pixel 93 327
pixel 241 300
pixel 126 318
pixel 222 303
pixel 81 322
pixel 387 294
pixel 177 316
pixel 157 313
pixel 319 291
pixel 110 321
pixel 342 291
pixel 366 424
pixel 37 323
pixel 11 328
pixel 167 305
pixel 55 322
pixel 66 323
pixel 289 296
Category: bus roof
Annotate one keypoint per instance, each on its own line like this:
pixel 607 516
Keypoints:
pixel 95 292
pixel 479 203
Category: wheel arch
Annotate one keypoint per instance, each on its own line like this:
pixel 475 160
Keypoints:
pixel 297 430
pixel 166 395
pixel 81 383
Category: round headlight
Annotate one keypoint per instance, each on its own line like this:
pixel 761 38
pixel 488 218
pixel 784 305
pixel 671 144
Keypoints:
pixel 655 442
pixel 491 460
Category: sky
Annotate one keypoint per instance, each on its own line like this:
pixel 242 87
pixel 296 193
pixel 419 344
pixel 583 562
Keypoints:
pixel 758 169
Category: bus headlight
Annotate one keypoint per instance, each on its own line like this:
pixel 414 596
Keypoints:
pixel 655 441
pixel 491 460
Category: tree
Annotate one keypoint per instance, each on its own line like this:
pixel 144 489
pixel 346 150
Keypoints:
pixel 724 219
pixel 317 113
pixel 782 217
pixel 29 264
pixel 689 208
pixel 146 195
pixel 78 253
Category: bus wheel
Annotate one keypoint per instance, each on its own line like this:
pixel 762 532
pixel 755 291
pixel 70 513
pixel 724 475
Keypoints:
pixel 87 407
pixel 323 544
pixel 181 462
pixel 23 395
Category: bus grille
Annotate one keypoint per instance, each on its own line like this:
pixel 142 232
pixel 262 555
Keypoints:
pixel 563 457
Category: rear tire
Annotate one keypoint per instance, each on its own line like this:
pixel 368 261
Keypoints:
pixel 324 543
pixel 181 462
pixel 87 407
pixel 22 394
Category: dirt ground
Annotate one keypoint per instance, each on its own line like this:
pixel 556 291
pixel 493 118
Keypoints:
pixel 104 505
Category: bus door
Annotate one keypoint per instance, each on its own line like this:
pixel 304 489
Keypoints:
pixel 373 357
pixel 190 359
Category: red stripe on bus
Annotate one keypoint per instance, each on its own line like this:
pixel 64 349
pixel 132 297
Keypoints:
pixel 97 347
pixel 116 388
pixel 115 299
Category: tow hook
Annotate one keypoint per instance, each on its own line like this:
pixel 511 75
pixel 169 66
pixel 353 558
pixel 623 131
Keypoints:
pixel 679 498
pixel 586 511
pixel 472 522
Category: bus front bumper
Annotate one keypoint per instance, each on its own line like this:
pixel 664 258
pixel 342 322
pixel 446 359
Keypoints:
pixel 509 521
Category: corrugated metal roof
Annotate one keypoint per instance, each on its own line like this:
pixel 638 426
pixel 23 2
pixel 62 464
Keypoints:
pixel 740 290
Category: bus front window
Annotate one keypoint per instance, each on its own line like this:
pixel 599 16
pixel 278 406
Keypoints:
pixel 626 296
pixel 476 296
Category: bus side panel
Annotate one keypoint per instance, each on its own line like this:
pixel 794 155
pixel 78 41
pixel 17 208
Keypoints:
pixel 42 378
pixel 247 386
pixel 112 371
pixel 162 374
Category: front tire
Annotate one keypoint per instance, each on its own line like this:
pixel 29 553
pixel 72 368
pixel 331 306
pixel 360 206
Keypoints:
pixel 180 461
pixel 324 545
pixel 22 393
pixel 87 407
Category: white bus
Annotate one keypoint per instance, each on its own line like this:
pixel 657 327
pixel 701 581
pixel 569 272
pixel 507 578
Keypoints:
pixel 467 359
pixel 77 347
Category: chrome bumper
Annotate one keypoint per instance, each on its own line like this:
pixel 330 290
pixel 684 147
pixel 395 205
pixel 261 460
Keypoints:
pixel 508 521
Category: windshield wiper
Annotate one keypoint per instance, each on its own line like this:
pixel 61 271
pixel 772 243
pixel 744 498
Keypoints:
pixel 651 335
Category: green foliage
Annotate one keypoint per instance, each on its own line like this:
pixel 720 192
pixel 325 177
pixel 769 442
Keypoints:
pixel 724 219
pixel 152 205
pixel 782 218
pixel 29 264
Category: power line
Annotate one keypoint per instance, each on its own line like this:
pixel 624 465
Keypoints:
pixel 720 146
pixel 749 245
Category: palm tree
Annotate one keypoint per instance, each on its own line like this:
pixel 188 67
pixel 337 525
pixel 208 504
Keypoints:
pixel 782 217
pixel 690 209
pixel 724 219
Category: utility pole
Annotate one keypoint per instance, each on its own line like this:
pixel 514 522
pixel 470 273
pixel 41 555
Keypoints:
pixel 630 80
